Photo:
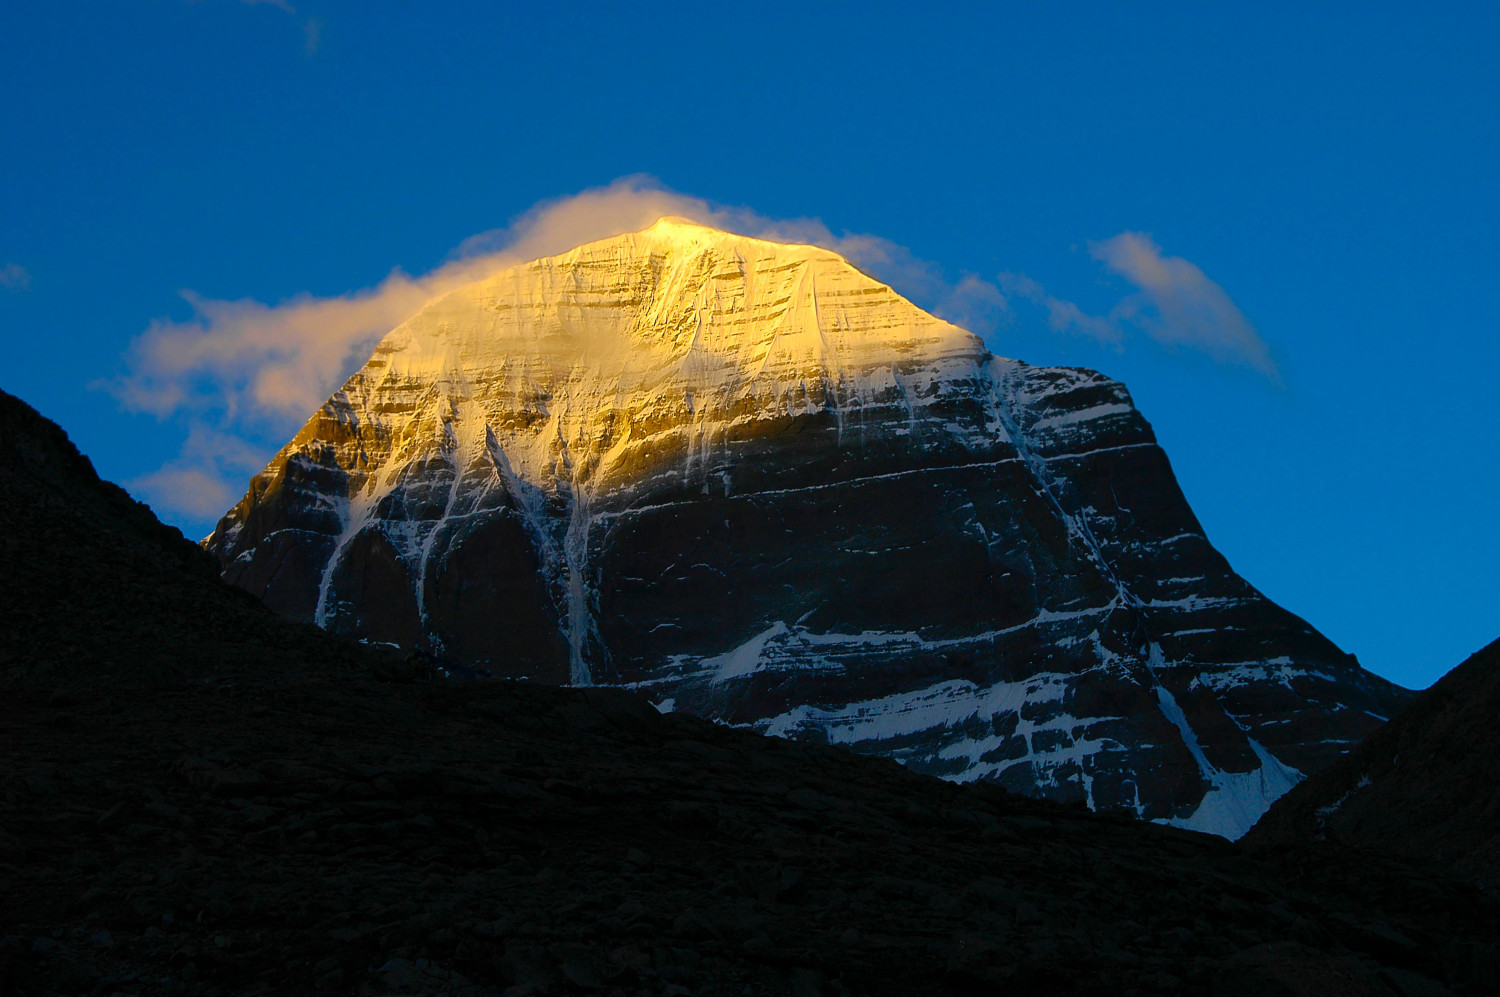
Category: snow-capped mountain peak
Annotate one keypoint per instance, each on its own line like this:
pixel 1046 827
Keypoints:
pixel 761 485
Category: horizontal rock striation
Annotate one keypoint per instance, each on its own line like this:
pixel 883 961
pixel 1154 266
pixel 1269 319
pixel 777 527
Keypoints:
pixel 755 483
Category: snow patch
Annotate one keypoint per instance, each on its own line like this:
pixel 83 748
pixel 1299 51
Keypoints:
pixel 745 659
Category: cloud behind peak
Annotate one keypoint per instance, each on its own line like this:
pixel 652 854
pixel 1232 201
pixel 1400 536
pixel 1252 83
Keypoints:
pixel 254 370
pixel 1178 305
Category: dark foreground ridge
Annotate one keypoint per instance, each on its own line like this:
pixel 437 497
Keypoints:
pixel 202 798
pixel 94 589
pixel 1427 784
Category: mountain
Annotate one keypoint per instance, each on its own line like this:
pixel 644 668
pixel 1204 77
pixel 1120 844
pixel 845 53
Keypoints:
pixel 759 485
pixel 90 575
pixel 279 819
pixel 1426 786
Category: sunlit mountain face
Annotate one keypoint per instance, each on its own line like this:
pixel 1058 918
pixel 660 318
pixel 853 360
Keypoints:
pixel 760 486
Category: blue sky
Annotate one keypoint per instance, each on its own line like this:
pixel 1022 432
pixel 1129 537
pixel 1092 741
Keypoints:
pixel 1318 187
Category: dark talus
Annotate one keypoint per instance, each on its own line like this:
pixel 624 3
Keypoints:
pixel 763 488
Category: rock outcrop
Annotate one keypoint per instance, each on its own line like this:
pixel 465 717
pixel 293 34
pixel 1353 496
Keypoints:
pixel 759 485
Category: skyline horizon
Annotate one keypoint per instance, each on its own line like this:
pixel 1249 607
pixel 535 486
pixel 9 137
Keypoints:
pixel 780 233
pixel 1288 263
pixel 904 265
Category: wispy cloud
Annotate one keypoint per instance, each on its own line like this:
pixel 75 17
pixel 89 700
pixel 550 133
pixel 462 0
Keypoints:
pixel 1174 302
pixel 312 27
pixel 1063 316
pixel 14 277
pixel 205 479
pixel 974 304
pixel 250 361
pixel 239 374
pixel 1177 304
pixel 312 35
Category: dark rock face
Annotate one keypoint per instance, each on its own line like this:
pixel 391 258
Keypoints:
pixel 1425 786
pixel 281 820
pixel 762 488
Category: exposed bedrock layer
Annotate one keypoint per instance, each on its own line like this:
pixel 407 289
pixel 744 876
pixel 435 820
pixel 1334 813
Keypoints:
pixel 761 486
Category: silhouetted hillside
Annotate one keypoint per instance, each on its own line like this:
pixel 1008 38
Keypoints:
pixel 1426 786
pixel 94 587
pixel 202 799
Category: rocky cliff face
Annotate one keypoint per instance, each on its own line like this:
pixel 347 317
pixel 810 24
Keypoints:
pixel 762 487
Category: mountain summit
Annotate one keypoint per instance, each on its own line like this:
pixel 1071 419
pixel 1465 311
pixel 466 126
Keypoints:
pixel 761 486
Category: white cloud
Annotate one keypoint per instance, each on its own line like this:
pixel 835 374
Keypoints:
pixel 14 277
pixel 205 479
pixel 197 492
pixel 1063 316
pixel 634 202
pixel 1178 304
pixel 974 304
pixel 1174 303
pixel 243 370
pixel 254 369
pixel 312 35
pixel 275 364
pixel 312 27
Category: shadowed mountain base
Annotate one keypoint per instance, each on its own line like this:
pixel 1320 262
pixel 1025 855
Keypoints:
pixel 360 837
pixel 202 798
pixel 1425 785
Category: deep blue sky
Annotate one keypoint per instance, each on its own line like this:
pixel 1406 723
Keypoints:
pixel 1333 170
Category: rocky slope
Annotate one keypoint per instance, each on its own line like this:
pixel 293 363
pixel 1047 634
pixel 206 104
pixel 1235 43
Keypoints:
pixel 1425 785
pixel 760 486
pixel 258 837
pixel 277 821
pixel 93 584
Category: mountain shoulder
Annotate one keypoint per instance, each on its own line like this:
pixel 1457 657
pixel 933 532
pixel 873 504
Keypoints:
pixel 1425 786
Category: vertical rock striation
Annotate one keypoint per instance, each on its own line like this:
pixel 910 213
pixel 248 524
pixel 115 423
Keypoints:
pixel 761 486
